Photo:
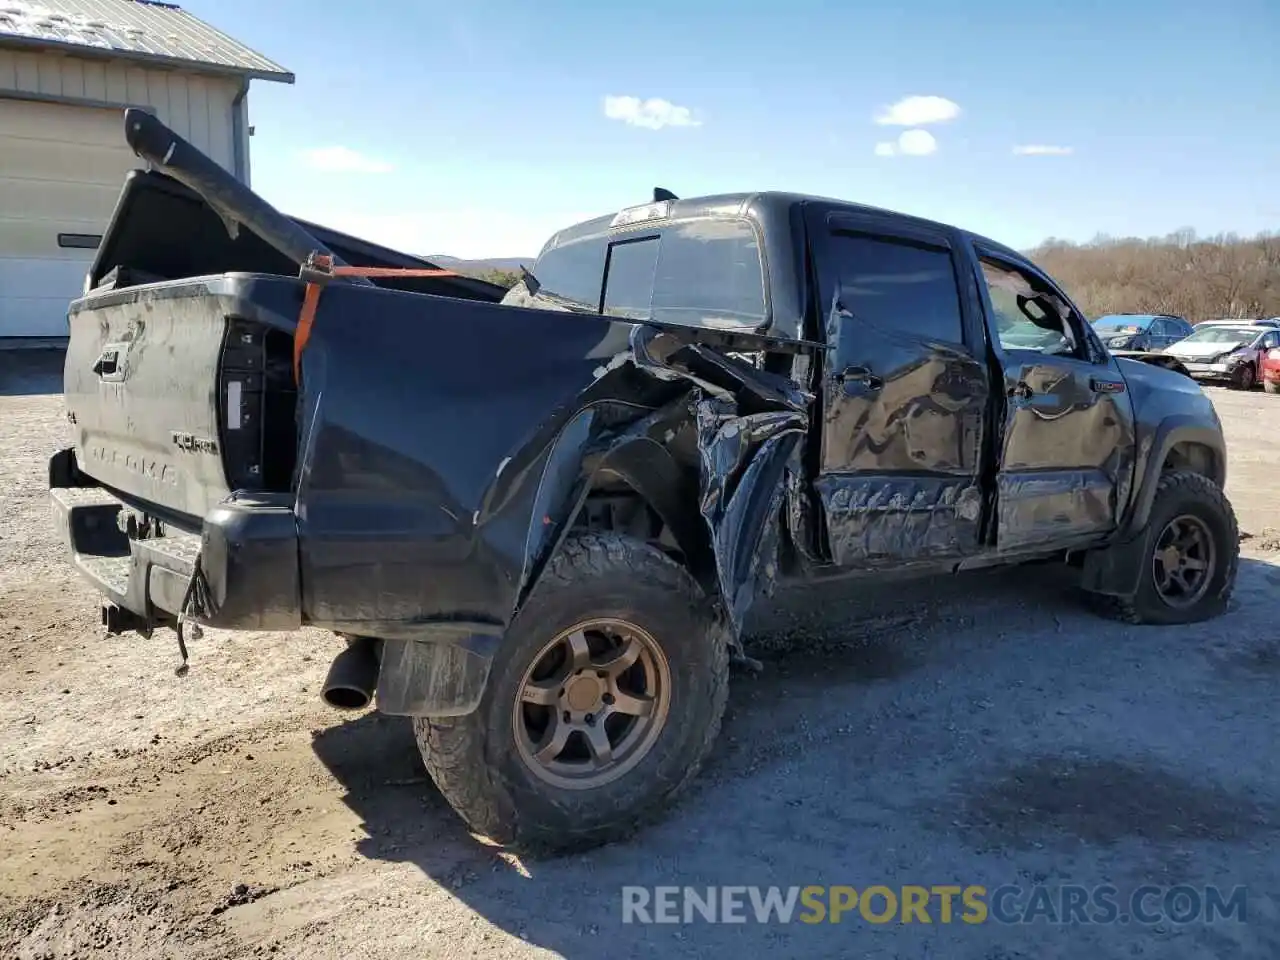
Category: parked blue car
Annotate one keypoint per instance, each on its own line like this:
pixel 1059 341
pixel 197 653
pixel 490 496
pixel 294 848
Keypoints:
pixel 1141 331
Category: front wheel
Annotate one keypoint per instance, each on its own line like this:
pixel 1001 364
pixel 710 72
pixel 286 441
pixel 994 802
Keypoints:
pixel 1271 386
pixel 602 704
pixel 1244 377
pixel 1191 550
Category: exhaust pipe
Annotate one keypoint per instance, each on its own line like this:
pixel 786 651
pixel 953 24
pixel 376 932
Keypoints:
pixel 353 676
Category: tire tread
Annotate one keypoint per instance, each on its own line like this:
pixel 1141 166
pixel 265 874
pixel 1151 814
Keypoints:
pixel 1198 486
pixel 450 746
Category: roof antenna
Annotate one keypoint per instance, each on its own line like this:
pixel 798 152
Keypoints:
pixel 661 193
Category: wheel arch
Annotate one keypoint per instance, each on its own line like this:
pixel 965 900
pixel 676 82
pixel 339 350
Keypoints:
pixel 1179 443
pixel 718 492
pixel 636 465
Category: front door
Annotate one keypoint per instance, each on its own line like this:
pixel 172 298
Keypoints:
pixel 1157 335
pixel 904 399
pixel 1164 333
pixel 1067 452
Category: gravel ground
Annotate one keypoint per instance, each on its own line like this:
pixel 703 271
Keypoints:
pixel 983 730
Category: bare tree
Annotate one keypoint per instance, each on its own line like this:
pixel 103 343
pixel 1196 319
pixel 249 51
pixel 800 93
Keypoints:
pixel 1200 278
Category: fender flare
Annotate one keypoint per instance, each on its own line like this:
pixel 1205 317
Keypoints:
pixel 646 466
pixel 1116 569
pixel 1171 432
pixel 721 530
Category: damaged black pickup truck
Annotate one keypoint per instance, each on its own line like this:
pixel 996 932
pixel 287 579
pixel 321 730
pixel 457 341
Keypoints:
pixel 540 516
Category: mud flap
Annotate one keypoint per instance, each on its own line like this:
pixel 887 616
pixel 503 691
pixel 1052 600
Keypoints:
pixel 434 679
pixel 1115 570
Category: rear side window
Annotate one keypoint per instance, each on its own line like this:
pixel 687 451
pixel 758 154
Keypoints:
pixel 898 286
pixel 709 273
pixel 705 272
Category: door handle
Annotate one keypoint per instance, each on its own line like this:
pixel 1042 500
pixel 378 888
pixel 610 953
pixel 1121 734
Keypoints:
pixel 1100 385
pixel 858 374
pixel 1021 391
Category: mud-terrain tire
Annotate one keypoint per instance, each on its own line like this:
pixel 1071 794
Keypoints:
pixel 1244 378
pixel 1181 495
pixel 487 769
pixel 1271 386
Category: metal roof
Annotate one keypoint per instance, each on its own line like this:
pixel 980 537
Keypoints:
pixel 141 30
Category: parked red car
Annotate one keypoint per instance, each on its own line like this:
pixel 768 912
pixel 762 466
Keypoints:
pixel 1270 374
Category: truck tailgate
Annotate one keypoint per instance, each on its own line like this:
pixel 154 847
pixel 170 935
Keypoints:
pixel 165 389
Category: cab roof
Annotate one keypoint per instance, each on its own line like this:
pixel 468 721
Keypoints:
pixel 768 205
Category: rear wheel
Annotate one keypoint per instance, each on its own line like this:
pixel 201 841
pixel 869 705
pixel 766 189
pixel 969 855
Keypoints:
pixel 1191 550
pixel 1244 377
pixel 602 705
pixel 1271 386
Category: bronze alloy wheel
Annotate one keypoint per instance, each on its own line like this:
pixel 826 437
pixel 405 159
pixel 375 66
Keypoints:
pixel 592 704
pixel 1183 561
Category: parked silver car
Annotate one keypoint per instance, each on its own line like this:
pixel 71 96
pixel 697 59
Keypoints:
pixel 1229 351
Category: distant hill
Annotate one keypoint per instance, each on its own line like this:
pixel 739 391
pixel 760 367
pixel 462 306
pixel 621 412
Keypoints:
pixel 478 267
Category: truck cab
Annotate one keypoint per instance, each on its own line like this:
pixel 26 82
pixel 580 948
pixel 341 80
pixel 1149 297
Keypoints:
pixel 964 410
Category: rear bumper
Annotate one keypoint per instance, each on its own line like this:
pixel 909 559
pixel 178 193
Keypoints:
pixel 248 552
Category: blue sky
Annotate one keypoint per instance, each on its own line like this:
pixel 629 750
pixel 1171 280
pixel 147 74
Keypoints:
pixel 479 128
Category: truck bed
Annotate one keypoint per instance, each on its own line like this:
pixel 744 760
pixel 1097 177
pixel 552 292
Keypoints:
pixel 407 473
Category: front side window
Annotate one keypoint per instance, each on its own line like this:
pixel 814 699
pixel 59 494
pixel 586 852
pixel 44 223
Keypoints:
pixel 898 286
pixel 1028 316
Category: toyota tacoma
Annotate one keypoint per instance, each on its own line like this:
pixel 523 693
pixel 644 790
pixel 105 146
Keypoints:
pixel 539 516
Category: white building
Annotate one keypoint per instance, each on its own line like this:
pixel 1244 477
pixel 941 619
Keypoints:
pixel 67 70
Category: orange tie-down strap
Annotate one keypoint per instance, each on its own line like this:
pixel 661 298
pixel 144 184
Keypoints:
pixel 318 271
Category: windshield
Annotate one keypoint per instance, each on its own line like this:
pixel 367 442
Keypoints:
pixel 1224 335
pixel 1122 324
pixel 704 272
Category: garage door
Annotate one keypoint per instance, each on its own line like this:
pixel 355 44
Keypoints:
pixel 61 169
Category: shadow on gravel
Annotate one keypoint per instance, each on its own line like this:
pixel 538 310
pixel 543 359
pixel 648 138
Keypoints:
pixel 1051 799
pixel 375 759
pixel 30 372
pixel 819 778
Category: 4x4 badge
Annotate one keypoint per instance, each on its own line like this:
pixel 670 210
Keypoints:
pixel 190 442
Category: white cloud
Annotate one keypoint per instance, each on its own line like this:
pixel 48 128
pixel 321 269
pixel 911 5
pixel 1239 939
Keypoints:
pixel 917 111
pixel 344 160
pixel 917 143
pixel 911 143
pixel 653 114
pixel 1041 150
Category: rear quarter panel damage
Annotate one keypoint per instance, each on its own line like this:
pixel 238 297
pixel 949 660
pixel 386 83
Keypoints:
pixel 436 481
